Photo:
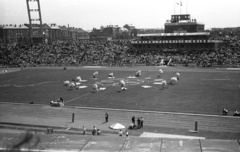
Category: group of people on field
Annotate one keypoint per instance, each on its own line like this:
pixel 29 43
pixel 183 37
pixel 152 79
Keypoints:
pixel 136 124
pixel 235 112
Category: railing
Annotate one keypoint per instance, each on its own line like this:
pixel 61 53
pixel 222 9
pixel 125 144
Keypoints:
pixel 174 41
pixel 116 65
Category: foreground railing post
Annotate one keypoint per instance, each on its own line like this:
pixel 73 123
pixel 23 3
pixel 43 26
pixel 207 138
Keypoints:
pixel 196 126
pixel 73 117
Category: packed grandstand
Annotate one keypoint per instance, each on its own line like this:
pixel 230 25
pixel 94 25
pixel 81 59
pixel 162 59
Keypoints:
pixel 113 53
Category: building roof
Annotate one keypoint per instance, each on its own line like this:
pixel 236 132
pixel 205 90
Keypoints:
pixel 14 26
pixel 51 26
pixel 81 30
pixel 34 26
pixel 63 27
pixel 123 29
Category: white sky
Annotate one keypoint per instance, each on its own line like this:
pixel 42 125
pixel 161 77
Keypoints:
pixel 87 14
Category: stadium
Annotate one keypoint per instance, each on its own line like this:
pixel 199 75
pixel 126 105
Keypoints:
pixel 171 91
pixel 199 96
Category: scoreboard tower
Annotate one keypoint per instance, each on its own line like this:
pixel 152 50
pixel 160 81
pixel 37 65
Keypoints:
pixel 183 24
pixel 182 34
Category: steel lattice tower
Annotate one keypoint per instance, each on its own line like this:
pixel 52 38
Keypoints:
pixel 38 36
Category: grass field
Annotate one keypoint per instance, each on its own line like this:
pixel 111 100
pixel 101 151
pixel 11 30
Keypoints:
pixel 200 91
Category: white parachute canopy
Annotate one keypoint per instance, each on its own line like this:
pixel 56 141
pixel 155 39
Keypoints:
pixel 66 83
pixel 110 75
pixel 95 74
pixel 173 80
pixel 117 126
pixel 138 73
pixel 160 73
pixel 178 75
pixel 78 78
pixel 96 87
pixel 164 83
pixel 122 83
pixel 72 84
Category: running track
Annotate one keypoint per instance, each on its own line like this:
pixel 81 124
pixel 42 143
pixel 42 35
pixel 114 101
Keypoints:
pixel 62 116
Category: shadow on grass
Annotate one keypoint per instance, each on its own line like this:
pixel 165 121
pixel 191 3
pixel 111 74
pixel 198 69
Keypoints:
pixel 163 88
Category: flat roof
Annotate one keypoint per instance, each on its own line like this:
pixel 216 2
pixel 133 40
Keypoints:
pixel 14 26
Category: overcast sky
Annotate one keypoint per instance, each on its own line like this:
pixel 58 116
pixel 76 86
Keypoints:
pixel 87 14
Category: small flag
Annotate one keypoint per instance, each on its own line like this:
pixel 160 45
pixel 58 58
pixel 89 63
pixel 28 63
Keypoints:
pixel 161 63
pixel 169 61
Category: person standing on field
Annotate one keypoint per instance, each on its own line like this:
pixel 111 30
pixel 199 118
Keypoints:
pixel 126 133
pixel 141 122
pixel 120 133
pixel 133 120
pixel 106 117
pixel 84 130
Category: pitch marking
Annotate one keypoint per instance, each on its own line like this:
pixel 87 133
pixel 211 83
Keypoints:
pixel 145 86
pixel 77 98
pixel 218 79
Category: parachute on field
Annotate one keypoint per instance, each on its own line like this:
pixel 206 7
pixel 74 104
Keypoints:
pixel 95 74
pixel 122 84
pixel 178 75
pixel 72 84
pixel 138 73
pixel 110 75
pixel 66 83
pixel 164 83
pixel 79 79
pixel 160 72
pixel 56 103
pixel 95 87
pixel 173 80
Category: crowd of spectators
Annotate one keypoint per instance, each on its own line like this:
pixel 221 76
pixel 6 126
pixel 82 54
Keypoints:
pixel 64 53
pixel 111 53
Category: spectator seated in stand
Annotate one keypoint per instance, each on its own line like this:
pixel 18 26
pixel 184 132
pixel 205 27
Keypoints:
pixel 113 53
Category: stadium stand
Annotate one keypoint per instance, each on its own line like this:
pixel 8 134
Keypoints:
pixel 113 53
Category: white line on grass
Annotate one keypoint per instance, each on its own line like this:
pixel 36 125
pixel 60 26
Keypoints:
pixel 32 85
pixel 77 98
pixel 218 79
